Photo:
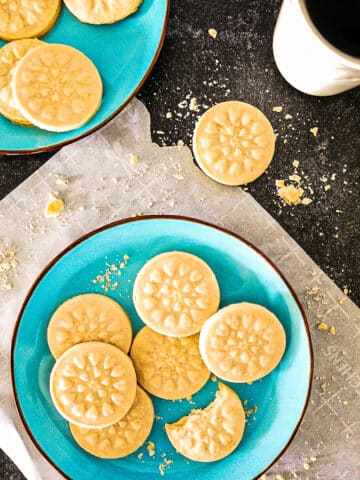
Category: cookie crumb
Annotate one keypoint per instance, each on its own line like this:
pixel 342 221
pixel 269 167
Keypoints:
pixel 133 159
pixel 295 178
pixel 8 264
pixel 280 183
pixel 141 454
pixel 291 194
pixel 306 201
pixel 164 465
pixel 277 109
pixel 62 181
pixel 332 330
pixel 168 115
pixel 54 207
pixel 314 131
pixel 193 106
pixel 213 378
pixel 151 448
pixel 295 163
pixel 323 327
pixel 109 279
pixel 288 116
pixel 212 32
pixel 251 411
pixel 178 176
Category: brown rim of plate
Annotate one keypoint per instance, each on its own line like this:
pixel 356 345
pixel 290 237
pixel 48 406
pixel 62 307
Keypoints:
pixel 158 217
pixel 112 115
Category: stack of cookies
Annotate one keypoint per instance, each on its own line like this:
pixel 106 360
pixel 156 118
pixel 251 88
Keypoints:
pixel 176 294
pixel 52 86
pixel 93 383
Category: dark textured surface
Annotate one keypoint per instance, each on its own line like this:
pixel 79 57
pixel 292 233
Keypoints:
pixel 238 64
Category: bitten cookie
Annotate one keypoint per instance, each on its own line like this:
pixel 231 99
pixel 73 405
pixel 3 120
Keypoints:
pixel 211 433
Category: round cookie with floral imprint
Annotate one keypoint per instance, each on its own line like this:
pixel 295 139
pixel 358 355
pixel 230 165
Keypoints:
pixel 242 342
pixel 175 292
pixel 168 367
pixel 212 433
pixel 57 88
pixel 100 12
pixel 233 143
pixel 122 438
pixel 27 19
pixel 93 384
pixel 10 55
pixel 86 318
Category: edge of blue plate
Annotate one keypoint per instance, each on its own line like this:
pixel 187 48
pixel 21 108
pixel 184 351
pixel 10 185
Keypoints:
pixel 55 146
pixel 157 217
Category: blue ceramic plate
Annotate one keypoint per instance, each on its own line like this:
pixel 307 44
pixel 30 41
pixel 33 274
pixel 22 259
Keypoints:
pixel 244 274
pixel 124 54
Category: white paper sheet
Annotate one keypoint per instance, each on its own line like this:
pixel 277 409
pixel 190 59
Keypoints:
pixel 103 186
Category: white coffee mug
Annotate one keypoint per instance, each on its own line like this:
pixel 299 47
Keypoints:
pixel 306 59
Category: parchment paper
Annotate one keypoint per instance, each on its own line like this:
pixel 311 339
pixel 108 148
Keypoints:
pixel 99 183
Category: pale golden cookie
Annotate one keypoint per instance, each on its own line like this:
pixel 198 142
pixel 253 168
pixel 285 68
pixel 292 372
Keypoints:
pixel 27 18
pixel 242 342
pixel 57 88
pixel 93 384
pixel 175 292
pixel 233 143
pixel 10 55
pixel 212 433
pixel 168 367
pixel 122 438
pixel 87 318
pixel 102 11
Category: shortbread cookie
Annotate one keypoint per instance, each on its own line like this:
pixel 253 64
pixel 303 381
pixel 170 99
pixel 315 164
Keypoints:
pixel 102 11
pixel 87 318
pixel 93 384
pixel 212 433
pixel 242 342
pixel 175 292
pixel 122 438
pixel 168 367
pixel 57 88
pixel 27 19
pixel 233 143
pixel 10 55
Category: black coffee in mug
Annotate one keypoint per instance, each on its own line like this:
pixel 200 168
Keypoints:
pixel 338 21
